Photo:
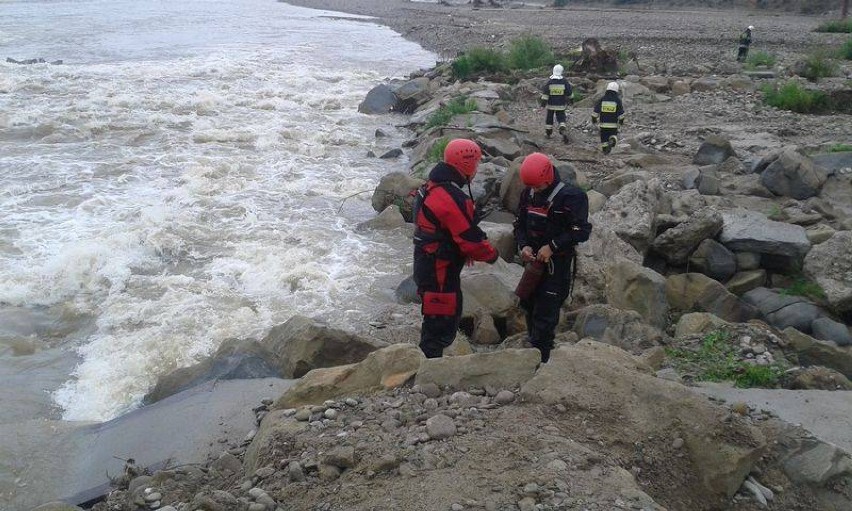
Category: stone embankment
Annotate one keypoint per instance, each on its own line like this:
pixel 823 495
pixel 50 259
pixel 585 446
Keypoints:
pixel 720 250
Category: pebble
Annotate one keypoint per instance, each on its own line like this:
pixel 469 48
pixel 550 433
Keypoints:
pixel 264 472
pixel 331 414
pixel 457 507
pixel 678 443
pixel 294 472
pixel 531 490
pixel 527 504
pixel 289 412
pixel 430 404
pixel 557 465
pixel 256 506
pixel 430 389
pixel 504 397
pixel 351 401
pixel 303 414
pixel 440 427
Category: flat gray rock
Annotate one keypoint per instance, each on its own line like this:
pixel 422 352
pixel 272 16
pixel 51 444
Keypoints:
pixel 824 413
pixel 70 461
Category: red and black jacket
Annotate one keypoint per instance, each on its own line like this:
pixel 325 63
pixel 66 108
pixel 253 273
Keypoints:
pixel 561 222
pixel 444 219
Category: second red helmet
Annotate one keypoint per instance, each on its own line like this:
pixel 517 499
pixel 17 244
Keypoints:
pixel 463 155
pixel 537 170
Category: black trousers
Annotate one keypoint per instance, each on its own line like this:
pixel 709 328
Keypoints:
pixel 548 120
pixel 742 54
pixel 605 134
pixel 542 308
pixel 437 275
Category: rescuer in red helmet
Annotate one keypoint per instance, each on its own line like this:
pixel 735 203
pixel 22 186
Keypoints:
pixel 553 217
pixel 445 237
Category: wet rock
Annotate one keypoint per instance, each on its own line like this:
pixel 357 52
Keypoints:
pixel 675 244
pixel 829 330
pixel 714 150
pixel 714 260
pixel 793 175
pixel 782 311
pixel 747 231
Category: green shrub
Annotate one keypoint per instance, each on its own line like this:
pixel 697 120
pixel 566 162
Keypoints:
pixel 818 65
pixel 456 106
pixel 761 58
pixel 717 359
pixel 791 96
pixel 840 148
pixel 436 152
pixel 836 26
pixel 529 52
pixel 478 60
pixel 846 50
pixel 806 288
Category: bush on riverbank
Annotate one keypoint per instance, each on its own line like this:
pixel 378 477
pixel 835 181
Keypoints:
pixel 818 65
pixel 843 26
pixel 760 58
pixel 528 52
pixel 846 50
pixel 791 96
pixel 456 106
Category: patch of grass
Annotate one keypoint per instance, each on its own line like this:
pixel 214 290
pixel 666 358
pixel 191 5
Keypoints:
pixel 791 96
pixel 436 152
pixel 456 106
pixel 840 148
pixel 775 213
pixel 845 51
pixel 478 60
pixel 836 26
pixel 760 58
pixel 529 52
pixel 716 359
pixel 806 288
pixel 818 65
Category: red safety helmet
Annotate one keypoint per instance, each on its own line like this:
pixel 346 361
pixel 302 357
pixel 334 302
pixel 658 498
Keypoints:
pixel 536 170
pixel 463 155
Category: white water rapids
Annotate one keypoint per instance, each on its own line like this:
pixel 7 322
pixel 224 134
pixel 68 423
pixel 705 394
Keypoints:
pixel 176 182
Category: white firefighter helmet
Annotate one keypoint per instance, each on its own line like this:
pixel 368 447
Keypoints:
pixel 751 27
pixel 613 86
pixel 557 71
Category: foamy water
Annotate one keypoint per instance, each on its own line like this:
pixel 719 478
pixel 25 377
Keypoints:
pixel 177 180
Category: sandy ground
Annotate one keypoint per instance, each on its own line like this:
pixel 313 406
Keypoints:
pixel 684 35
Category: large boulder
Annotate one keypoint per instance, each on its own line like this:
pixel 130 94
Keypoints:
pixel 594 379
pixel 380 100
pixel 677 243
pixel 383 369
pixel 695 292
pixel 632 212
pixel 812 352
pixel 594 259
pixel 396 188
pixel 410 94
pixel 500 369
pixel 714 260
pixel 782 311
pixel 632 286
pixel 714 149
pixel 303 344
pixel 623 328
pixel 793 175
pixel 830 265
pixel 501 237
pixel 748 231
pixel 490 288
pixel 236 359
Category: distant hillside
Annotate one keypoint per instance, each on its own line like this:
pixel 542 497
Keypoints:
pixel 800 6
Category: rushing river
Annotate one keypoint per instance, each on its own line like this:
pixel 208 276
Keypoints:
pixel 176 182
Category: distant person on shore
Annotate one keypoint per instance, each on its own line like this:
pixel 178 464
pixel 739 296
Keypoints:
pixel 608 114
pixel 446 236
pixel 745 43
pixel 553 217
pixel 556 95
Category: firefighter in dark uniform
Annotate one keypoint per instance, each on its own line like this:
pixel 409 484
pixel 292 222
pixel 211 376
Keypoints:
pixel 556 95
pixel 445 237
pixel 552 219
pixel 608 114
pixel 744 44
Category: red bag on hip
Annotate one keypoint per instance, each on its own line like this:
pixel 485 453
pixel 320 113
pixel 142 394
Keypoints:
pixel 439 304
pixel 533 273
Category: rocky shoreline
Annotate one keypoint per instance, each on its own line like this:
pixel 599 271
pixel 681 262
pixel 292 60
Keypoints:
pixel 701 216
